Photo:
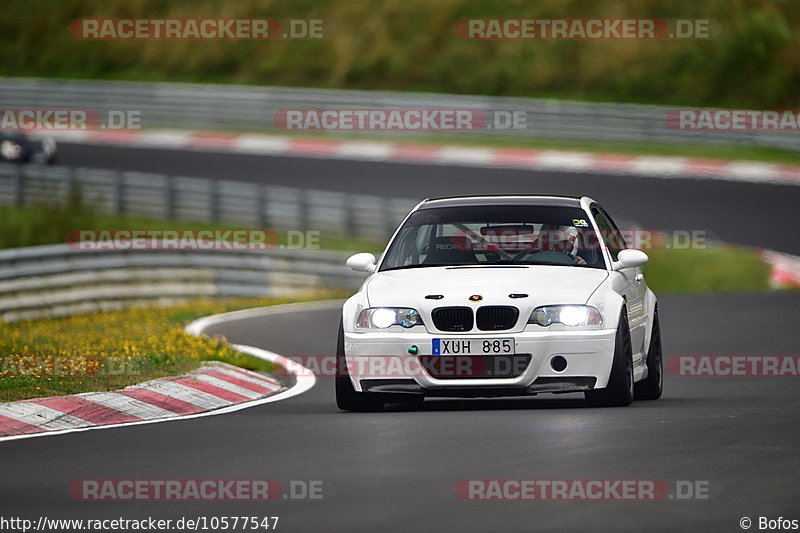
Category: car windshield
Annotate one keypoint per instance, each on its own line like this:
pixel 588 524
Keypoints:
pixel 495 235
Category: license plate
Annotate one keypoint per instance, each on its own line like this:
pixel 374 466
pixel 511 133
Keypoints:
pixel 473 346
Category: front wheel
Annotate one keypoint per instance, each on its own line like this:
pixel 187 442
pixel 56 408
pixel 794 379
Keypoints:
pixel 619 391
pixel 347 398
pixel 652 386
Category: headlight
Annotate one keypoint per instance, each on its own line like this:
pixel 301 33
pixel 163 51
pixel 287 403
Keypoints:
pixel 569 315
pixel 10 150
pixel 385 317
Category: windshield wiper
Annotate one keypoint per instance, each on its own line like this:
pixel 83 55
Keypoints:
pixel 482 264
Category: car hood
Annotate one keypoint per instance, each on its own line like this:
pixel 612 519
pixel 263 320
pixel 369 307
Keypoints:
pixel 544 285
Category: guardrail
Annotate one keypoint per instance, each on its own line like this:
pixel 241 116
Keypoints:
pixel 57 280
pixel 240 107
pixel 202 199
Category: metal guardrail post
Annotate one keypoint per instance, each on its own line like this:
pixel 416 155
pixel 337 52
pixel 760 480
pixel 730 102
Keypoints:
pixel 305 210
pixel 214 201
pixel 170 206
pixel 262 206
pixel 119 193
pixel 388 223
pixel 350 226
pixel 74 190
pixel 19 186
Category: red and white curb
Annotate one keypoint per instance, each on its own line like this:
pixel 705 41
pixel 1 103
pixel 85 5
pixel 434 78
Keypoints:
pixel 215 388
pixel 212 386
pixel 405 152
pixel 785 269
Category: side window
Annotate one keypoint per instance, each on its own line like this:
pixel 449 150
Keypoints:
pixel 619 236
pixel 410 243
pixel 609 233
pixel 422 243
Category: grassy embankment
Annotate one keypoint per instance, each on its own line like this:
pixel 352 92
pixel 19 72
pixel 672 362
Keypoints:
pixel 411 45
pixel 111 350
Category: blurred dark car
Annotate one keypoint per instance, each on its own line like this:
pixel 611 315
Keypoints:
pixel 16 147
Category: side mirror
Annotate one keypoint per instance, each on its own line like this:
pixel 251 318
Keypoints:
pixel 364 262
pixel 630 258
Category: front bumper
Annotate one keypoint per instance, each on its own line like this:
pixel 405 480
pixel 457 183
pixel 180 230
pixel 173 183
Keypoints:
pixel 588 355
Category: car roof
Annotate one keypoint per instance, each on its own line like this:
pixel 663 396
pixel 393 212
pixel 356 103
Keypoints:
pixel 502 199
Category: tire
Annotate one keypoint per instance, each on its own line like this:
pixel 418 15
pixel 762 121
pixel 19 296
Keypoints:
pixel 347 398
pixel 652 387
pixel 619 391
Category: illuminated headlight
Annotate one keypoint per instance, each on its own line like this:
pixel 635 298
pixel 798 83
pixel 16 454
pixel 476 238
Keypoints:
pixel 569 315
pixel 10 150
pixel 385 317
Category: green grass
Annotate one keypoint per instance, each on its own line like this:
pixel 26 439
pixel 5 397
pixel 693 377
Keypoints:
pixel 410 45
pixel 111 350
pixel 50 223
pixel 715 269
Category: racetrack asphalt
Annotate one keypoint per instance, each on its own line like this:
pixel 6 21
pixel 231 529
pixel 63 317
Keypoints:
pixel 396 470
pixel 760 215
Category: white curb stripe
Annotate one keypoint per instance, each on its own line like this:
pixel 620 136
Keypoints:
pixel 660 166
pixel 250 377
pixel 465 156
pixel 41 416
pixel 259 144
pixel 364 150
pixel 785 269
pixel 127 405
pixel 228 386
pixel 564 160
pixel 750 171
pixel 187 394
pixel 167 139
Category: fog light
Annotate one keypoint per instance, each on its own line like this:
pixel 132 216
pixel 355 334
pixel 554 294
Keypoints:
pixel 558 363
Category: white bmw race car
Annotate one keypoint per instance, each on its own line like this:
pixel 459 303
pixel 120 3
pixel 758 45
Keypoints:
pixel 499 296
